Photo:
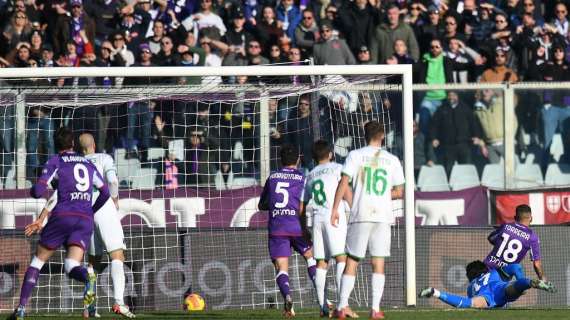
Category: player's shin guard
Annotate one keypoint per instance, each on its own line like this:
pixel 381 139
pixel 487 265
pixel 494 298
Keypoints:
pixel 312 268
pixel 455 301
pixel 30 280
pixel 378 280
pixel 118 276
pixel 282 280
pixel 320 282
pixel 339 271
pixel 346 286
pixel 76 271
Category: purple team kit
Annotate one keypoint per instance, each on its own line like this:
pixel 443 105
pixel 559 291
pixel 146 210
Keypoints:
pixel 71 221
pixel 511 243
pixel 282 196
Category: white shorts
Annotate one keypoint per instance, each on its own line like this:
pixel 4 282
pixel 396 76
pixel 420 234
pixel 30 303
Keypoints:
pixel 375 236
pixel 108 232
pixel 328 241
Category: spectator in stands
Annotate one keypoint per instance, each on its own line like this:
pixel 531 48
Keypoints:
pixel 434 68
pixel 382 42
pixel 483 26
pixel 462 54
pixel 121 55
pixel 36 44
pixel 207 22
pixel 133 30
pixel 167 56
pixel 331 50
pixel 452 31
pixel 18 30
pixel 7 130
pixel 529 7
pixel 77 27
pixel 358 20
pixel 489 110
pixel 46 60
pixel 168 171
pixel 23 56
pixel 307 34
pixel 237 36
pixel 401 55
pixel 275 55
pixel 431 29
pixel 500 72
pixel 157 33
pixel 268 30
pixel 364 56
pixel 561 21
pixel 454 129
pixel 197 170
pixel 289 15
pixel 39 127
pixel 556 103
pixel 300 132
pixel 106 21
pixel 423 151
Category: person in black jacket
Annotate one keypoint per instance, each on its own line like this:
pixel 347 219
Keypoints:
pixel 357 21
pixel 454 129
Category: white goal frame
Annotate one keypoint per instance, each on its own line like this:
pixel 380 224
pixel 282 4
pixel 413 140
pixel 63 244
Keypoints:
pixel 407 104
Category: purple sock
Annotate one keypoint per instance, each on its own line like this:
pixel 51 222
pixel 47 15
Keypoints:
pixel 30 281
pixel 79 273
pixel 283 284
pixel 312 270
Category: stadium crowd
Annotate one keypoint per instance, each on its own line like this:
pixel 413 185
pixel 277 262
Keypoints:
pixel 448 41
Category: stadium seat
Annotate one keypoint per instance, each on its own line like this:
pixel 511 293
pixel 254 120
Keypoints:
pixel 220 183
pixel 557 147
pixel 155 153
pixel 493 176
pixel 528 176
pixel 127 168
pixel 120 154
pixel 463 176
pixel 433 179
pixel 557 175
pixel 242 182
pixel 144 179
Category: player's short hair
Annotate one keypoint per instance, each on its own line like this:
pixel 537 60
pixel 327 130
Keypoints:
pixel 522 211
pixel 373 130
pixel 475 269
pixel 289 155
pixel 63 139
pixel 321 150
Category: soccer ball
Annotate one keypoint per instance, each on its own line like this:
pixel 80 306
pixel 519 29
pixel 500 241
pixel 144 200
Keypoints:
pixel 194 302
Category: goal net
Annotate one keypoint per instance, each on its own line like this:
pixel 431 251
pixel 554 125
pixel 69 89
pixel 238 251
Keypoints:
pixel 191 161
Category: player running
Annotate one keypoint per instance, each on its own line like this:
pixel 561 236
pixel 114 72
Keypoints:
pixel 376 177
pixel 108 232
pixel 487 289
pixel 511 242
pixel 328 241
pixel 282 197
pixel 71 222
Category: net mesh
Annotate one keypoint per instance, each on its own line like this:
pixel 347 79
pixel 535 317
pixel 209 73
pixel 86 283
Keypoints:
pixel 189 160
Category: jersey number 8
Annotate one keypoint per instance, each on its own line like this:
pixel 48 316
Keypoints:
pixel 509 249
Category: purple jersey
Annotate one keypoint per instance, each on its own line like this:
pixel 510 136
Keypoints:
pixel 282 195
pixel 511 242
pixel 76 177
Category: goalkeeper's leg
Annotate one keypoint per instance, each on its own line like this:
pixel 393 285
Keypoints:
pixel 454 300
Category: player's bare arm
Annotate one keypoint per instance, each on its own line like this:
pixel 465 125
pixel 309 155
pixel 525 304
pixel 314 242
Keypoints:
pixel 397 192
pixel 36 226
pixel 339 194
pixel 537 265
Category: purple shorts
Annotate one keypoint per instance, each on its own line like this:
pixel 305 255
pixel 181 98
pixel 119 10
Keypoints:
pixel 67 230
pixel 280 246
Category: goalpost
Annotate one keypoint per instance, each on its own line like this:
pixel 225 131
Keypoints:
pixel 197 227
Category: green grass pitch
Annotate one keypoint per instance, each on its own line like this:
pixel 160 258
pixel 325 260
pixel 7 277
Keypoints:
pixel 412 314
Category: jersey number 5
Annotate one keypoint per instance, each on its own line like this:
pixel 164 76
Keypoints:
pixel 81 175
pixel 509 249
pixel 373 178
pixel 281 188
